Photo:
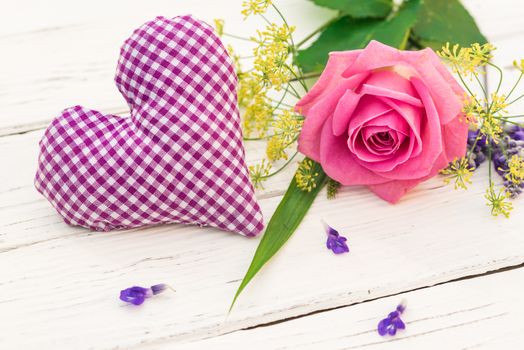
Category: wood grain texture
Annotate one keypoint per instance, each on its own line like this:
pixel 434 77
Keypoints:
pixel 68 56
pixel 59 285
pixel 59 277
pixel 467 314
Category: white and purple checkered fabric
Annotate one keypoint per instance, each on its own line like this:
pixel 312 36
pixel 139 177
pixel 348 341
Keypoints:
pixel 178 158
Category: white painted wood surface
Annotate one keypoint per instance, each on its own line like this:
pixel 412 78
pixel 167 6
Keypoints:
pixel 59 285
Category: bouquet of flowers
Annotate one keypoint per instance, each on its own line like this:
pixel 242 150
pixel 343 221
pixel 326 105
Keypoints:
pixel 384 113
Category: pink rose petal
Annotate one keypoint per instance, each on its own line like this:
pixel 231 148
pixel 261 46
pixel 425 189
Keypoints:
pixel 339 164
pixel 329 80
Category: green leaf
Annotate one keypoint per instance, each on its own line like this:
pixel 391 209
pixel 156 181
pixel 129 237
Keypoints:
pixel 283 223
pixel 442 21
pixel 359 8
pixel 348 34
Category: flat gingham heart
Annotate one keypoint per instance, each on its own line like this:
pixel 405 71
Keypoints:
pixel 178 158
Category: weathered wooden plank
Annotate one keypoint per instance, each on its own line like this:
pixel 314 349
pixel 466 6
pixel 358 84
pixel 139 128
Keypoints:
pixel 69 58
pixel 59 277
pixel 469 314
pixel 61 284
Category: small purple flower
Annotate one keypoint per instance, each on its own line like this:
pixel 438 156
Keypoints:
pixel 335 241
pixel 136 295
pixel 392 323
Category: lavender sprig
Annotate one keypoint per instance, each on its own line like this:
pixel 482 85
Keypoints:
pixel 136 295
pixel 393 322
pixel 335 241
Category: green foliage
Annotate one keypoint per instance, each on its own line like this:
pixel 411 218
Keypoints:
pixel 359 8
pixel 348 33
pixel 332 188
pixel 419 23
pixel 283 223
pixel 442 21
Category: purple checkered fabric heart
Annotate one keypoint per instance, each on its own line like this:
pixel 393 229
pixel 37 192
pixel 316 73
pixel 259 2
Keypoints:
pixel 178 158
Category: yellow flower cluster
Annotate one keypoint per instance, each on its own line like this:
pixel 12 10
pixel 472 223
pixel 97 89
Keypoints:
pixel 497 201
pixel 255 7
pixel 259 172
pixel 264 115
pixel 460 171
pixel 486 113
pixel 271 55
pixel 471 109
pixel 515 173
pixel 519 65
pixel 258 115
pixel 465 60
pixel 276 148
pixel 236 59
pixel 219 26
pixel 286 128
pixel 306 177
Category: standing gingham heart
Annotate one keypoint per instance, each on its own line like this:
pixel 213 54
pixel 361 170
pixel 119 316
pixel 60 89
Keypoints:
pixel 178 158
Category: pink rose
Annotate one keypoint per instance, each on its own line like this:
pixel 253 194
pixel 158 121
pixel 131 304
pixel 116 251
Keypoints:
pixel 384 118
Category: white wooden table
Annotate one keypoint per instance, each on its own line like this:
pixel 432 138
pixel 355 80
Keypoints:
pixel 460 269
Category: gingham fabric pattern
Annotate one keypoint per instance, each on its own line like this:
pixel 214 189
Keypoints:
pixel 178 158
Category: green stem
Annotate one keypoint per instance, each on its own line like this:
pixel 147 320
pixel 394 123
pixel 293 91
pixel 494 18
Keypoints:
pixel 236 37
pixel 310 75
pixel 484 91
pixel 265 19
pixel 473 147
pixel 299 79
pixel 501 76
pixel 467 87
pixel 294 92
pixel 281 168
pixel 489 159
pixel 515 100
pixel 512 122
pixel 514 86
pixel 510 116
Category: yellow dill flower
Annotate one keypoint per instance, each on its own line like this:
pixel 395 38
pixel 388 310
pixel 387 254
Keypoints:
pixel 275 149
pixel 287 125
pixel 471 109
pixel 460 171
pixel 236 60
pixel 271 55
pixel 491 126
pixel 219 26
pixel 259 173
pixel 465 60
pixel 481 54
pixel 497 201
pixel 305 177
pixel 249 86
pixel 258 115
pixel 519 65
pixel 255 7
pixel 498 103
pixel 515 172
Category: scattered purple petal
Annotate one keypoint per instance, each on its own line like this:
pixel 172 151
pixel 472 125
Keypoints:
pixel 392 323
pixel 335 241
pixel 137 295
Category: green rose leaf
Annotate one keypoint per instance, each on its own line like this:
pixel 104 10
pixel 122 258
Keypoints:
pixel 359 8
pixel 283 223
pixel 348 33
pixel 442 21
